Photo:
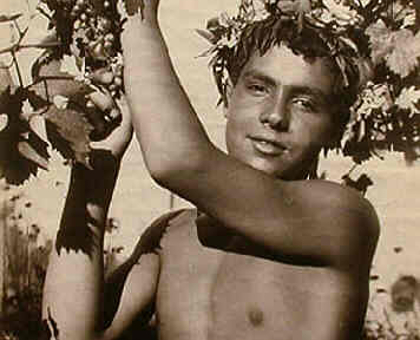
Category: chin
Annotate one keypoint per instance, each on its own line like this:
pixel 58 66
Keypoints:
pixel 269 169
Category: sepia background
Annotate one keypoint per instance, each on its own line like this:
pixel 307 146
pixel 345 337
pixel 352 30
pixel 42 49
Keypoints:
pixel 137 200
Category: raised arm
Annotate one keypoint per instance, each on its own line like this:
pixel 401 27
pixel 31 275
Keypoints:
pixel 77 303
pixel 306 220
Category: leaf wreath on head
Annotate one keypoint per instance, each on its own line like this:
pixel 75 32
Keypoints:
pixel 374 46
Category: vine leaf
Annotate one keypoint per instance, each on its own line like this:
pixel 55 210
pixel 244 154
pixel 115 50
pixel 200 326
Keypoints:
pixel 29 152
pixel 67 127
pixel 69 131
pixel 22 151
pixel 51 81
pixel 73 66
pixel 36 101
pixel 291 6
pixel 358 149
pixel 404 57
pixel 361 184
pixel 35 151
pixel 400 49
pixel 49 40
pixel 42 61
pixel 206 35
pixel 6 80
pixel 15 168
pixel 379 38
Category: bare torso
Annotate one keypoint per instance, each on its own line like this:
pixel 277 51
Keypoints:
pixel 228 289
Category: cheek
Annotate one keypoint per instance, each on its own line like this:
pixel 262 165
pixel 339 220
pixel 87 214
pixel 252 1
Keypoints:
pixel 318 133
pixel 232 129
pixel 236 130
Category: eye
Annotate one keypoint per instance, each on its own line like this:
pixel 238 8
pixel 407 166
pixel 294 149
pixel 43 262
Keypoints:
pixel 257 89
pixel 305 104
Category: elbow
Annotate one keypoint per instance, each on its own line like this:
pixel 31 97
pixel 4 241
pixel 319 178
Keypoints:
pixel 173 173
pixel 163 176
pixel 168 174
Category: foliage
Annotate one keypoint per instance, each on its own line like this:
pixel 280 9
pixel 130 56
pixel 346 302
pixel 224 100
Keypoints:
pixel 374 43
pixel 377 41
pixel 25 268
pixel 81 57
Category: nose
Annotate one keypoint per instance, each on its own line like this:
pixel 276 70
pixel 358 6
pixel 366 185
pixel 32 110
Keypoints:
pixel 275 115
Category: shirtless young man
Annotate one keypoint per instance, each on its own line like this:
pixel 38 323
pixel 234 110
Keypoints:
pixel 267 254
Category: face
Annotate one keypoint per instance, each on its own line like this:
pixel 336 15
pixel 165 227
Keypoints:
pixel 403 295
pixel 280 113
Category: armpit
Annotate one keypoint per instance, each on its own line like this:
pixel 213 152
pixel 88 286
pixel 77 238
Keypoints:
pixel 150 239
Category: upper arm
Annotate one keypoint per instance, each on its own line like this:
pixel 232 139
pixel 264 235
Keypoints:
pixel 130 290
pixel 137 297
pixel 298 219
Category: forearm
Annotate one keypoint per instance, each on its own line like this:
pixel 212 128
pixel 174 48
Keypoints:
pixel 170 134
pixel 73 292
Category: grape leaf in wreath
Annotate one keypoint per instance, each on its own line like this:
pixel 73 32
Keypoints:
pixel 400 49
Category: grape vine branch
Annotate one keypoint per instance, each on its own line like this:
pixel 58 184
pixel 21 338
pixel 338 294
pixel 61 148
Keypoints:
pixel 78 73
pixel 81 68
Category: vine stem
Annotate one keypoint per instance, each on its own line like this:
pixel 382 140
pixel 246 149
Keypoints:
pixel 352 169
pixel 17 47
pixel 16 63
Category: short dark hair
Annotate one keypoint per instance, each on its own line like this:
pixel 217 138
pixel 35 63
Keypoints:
pixel 406 279
pixel 306 40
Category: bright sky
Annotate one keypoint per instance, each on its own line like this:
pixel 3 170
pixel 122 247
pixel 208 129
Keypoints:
pixel 137 200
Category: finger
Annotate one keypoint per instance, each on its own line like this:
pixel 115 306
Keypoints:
pixel 102 76
pixel 102 101
pixel 118 140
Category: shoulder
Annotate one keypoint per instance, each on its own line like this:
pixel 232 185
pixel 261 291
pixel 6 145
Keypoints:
pixel 335 197
pixel 348 214
pixel 351 204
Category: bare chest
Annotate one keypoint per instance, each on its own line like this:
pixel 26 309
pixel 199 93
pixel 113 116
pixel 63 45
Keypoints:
pixel 207 293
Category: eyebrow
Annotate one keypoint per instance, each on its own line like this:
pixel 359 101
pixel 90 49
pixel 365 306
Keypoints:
pixel 259 76
pixel 318 94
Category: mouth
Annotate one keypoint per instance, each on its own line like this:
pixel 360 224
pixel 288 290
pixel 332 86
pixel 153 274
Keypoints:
pixel 268 147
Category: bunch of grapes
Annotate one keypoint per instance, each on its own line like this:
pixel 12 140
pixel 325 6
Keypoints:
pixel 90 31
pixel 96 32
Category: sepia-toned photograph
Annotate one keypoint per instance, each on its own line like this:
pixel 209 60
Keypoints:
pixel 209 170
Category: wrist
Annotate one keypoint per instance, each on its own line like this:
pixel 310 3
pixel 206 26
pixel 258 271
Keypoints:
pixel 138 28
pixel 96 183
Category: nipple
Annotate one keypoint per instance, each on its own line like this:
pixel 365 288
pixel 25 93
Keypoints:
pixel 256 317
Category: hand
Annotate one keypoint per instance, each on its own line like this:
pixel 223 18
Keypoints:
pixel 119 139
pixel 151 5
pixel 142 6
pixel 136 11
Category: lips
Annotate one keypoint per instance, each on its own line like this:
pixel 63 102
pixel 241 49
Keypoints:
pixel 268 146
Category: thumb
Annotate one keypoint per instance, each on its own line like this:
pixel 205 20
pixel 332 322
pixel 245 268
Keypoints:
pixel 102 101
